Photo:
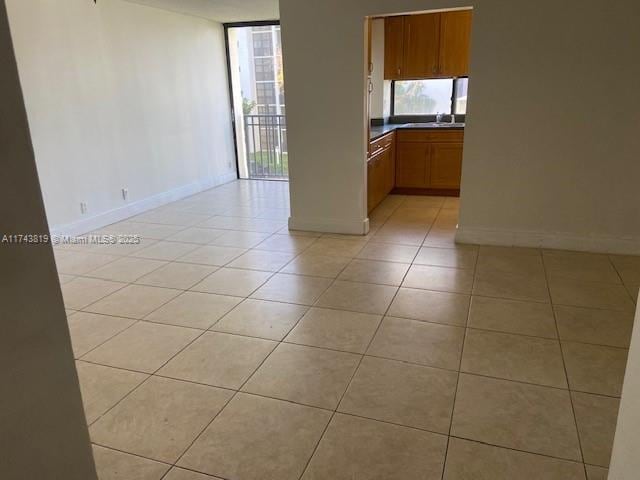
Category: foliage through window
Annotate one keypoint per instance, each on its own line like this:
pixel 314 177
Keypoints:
pixel 429 97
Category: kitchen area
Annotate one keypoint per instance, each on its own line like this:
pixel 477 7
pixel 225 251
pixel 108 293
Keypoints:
pixel 418 82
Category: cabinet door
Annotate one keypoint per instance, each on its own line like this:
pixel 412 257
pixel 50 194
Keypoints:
pixel 455 37
pixel 390 171
pixel 412 165
pixel 393 38
pixel 445 165
pixel 370 184
pixel 421 45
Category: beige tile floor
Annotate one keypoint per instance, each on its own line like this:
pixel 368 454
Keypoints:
pixel 226 347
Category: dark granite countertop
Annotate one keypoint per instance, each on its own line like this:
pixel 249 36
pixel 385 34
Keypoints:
pixel 380 130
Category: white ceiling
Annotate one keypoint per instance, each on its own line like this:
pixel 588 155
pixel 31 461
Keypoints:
pixel 220 10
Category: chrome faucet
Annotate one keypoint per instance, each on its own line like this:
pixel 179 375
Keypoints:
pixel 439 117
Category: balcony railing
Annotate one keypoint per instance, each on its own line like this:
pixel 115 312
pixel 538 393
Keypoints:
pixel 266 146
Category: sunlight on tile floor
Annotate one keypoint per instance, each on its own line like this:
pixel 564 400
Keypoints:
pixel 224 346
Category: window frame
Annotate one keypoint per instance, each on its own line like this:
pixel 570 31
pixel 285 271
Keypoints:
pixel 452 104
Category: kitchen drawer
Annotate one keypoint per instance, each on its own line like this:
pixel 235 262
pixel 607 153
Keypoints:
pixel 430 135
pixel 381 143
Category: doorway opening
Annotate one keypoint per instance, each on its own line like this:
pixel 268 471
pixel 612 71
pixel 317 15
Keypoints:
pixel 257 90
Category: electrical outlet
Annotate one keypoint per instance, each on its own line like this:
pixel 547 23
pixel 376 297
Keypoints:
pixel 83 208
pixel 125 194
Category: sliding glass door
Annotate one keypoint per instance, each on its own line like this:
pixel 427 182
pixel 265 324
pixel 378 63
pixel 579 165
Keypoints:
pixel 257 87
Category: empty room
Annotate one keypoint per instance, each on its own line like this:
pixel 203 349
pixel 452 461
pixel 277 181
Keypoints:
pixel 319 240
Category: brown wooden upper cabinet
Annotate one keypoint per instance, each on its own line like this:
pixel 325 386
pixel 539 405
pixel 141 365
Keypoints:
pixel 430 45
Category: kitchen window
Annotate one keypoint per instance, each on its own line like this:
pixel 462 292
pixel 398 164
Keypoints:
pixel 429 97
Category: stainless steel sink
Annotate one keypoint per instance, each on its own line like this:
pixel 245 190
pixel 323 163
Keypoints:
pixel 435 125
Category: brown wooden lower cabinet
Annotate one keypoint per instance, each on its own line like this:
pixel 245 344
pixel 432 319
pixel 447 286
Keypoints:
pixel 381 171
pixel 414 161
pixel 446 165
pixel 429 160
pixel 412 167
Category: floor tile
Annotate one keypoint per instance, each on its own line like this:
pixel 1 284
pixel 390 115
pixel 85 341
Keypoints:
pixel 193 309
pixel 114 465
pixel 508 262
pixel 65 278
pixel 144 347
pixel 418 342
pixel 596 473
pixel 335 329
pixel 317 265
pixel 515 415
pixel 153 231
pixel 102 387
pixel 358 297
pixel 240 239
pixel 259 318
pixel 369 271
pixel 475 461
pixel 232 281
pixel 594 368
pixel 514 357
pixel 596 417
pixel 80 292
pixel 127 269
pixel 133 301
pixel 389 252
pixel 580 266
pixel 286 243
pixel 219 359
pixel 459 257
pixel 181 474
pixel 169 217
pixel 588 325
pixel 512 316
pixel 256 438
pixel 576 293
pixel 439 278
pixel 430 306
pixel 292 289
pixel 262 260
pixel 76 263
pixel 160 419
pixel 407 235
pixel 396 392
pixel 361 448
pixel 494 283
pixel 496 250
pixel 306 375
pixel 177 275
pixel 212 255
pixel 628 267
pixel 88 330
pixel 336 247
pixel 197 235
pixel 165 250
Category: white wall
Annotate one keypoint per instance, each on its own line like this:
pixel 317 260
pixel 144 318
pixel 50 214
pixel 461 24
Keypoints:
pixel 44 432
pixel 118 96
pixel 547 151
pixel 625 462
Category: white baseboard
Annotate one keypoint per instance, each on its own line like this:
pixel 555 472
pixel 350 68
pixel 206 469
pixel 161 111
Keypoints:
pixel 330 225
pixel 121 213
pixel 552 240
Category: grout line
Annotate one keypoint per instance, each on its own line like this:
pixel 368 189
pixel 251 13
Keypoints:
pixel 566 374
pixel 455 393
